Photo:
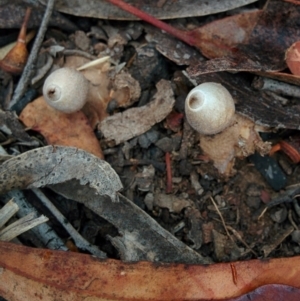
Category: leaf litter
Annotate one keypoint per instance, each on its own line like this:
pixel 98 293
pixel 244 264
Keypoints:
pixel 187 212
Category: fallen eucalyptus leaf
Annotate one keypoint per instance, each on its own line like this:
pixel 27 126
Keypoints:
pixel 35 274
pixel 141 237
pixel 59 128
pixel 159 9
pixel 58 164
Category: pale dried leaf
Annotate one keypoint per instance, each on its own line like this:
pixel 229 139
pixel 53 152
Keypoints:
pixel 136 121
pixel 57 164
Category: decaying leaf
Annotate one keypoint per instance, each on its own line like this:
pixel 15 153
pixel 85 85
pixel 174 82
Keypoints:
pixel 171 202
pixel 141 237
pixel 136 121
pixel 265 48
pixel 12 15
pixel 126 90
pixel 55 275
pixel 162 10
pixel 59 128
pixel 56 164
pixel 237 141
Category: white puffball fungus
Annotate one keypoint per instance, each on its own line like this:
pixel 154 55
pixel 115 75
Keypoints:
pixel 224 135
pixel 66 90
pixel 209 108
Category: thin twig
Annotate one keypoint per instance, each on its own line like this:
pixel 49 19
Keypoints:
pixel 221 217
pixel 27 72
pixel 262 214
pixel 169 173
pixel 78 239
pixel 44 233
pixel 239 237
pixel 292 221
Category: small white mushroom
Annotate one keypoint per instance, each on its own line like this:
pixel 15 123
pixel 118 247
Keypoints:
pixel 209 108
pixel 66 90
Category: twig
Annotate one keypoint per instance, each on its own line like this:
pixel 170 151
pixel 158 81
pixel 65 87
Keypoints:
pixel 222 219
pixel 262 214
pixel 43 232
pixel 239 237
pixel 78 239
pixel 169 173
pixel 267 84
pixel 179 34
pixel 7 211
pixel 27 72
pixel 292 221
pixel 21 225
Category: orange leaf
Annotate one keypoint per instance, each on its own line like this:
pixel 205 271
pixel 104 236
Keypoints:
pixel 37 274
pixel 59 128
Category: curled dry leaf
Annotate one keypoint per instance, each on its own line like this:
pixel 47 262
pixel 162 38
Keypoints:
pixel 55 275
pixel 136 121
pixel 56 164
pixel 126 90
pixel 59 128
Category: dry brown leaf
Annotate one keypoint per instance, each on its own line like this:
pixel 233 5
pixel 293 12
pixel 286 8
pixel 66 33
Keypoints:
pixel 57 164
pixel 126 90
pixel 59 128
pixel 37 274
pixel 136 121
pixel 265 47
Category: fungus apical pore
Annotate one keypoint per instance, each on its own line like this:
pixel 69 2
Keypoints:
pixel 209 108
pixel 66 90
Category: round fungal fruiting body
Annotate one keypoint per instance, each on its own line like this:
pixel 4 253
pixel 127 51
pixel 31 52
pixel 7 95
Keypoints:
pixel 66 90
pixel 209 108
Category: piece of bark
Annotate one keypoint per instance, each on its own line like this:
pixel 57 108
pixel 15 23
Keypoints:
pixel 136 121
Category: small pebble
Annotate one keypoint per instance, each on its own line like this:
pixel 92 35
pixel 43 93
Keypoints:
pixel 185 167
pixel 279 215
pixel 296 236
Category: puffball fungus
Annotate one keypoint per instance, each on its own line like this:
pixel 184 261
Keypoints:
pixel 224 135
pixel 66 90
pixel 209 108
